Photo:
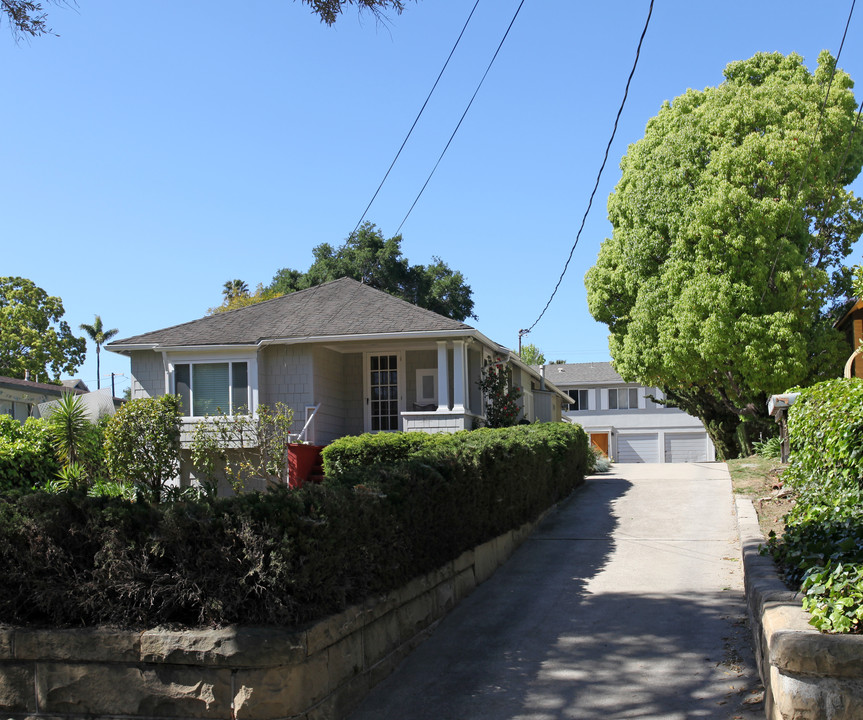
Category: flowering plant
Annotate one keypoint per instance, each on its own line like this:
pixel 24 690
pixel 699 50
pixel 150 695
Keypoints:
pixel 501 397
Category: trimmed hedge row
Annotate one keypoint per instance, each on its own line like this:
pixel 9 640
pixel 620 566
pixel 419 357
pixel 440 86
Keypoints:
pixel 284 557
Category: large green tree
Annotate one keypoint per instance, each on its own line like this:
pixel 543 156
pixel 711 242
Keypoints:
pixel 730 223
pixel 378 262
pixel 32 335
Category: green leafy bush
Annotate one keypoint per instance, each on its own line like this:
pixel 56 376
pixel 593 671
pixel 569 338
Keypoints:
pixel 361 451
pixel 834 597
pixel 821 550
pixel 284 557
pixel 142 443
pixel 244 446
pixel 26 456
pixel 769 448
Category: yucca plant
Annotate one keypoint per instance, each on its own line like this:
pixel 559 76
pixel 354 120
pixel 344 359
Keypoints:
pixel 68 429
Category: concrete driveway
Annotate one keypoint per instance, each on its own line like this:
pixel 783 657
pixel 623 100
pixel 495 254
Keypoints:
pixel 627 602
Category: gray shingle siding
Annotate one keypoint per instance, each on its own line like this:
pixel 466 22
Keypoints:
pixel 148 374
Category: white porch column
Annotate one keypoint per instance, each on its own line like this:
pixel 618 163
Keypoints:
pixel 442 377
pixel 459 360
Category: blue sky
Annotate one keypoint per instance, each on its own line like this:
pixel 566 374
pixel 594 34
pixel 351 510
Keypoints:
pixel 156 149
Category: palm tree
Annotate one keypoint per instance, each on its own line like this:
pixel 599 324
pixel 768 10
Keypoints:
pixel 99 336
pixel 235 289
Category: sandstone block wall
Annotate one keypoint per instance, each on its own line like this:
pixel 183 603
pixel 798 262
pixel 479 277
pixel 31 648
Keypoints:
pixel 807 675
pixel 242 673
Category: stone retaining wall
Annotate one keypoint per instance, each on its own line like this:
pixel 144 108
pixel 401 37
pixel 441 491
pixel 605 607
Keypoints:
pixel 237 672
pixel 806 674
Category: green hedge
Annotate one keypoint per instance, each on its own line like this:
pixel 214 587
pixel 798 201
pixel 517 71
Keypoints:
pixel 822 548
pixel 358 451
pixel 26 456
pixel 284 557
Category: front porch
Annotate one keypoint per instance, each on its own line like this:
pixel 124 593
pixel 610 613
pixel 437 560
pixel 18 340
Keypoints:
pixel 446 421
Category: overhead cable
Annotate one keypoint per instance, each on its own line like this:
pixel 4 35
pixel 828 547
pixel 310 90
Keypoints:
pixel 601 168
pixel 482 80
pixel 416 120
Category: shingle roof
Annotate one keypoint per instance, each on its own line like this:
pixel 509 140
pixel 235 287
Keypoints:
pixel 591 373
pixel 49 388
pixel 337 308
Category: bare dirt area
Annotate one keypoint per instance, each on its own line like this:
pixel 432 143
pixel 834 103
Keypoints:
pixel 760 479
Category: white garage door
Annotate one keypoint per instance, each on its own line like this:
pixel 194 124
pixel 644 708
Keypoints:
pixel 686 447
pixel 641 448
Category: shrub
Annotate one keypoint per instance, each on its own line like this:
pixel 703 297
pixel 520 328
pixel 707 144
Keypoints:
pixel 770 448
pixel 142 443
pixel 244 446
pixel 285 557
pixel 26 457
pixel 361 451
pixel 501 397
pixel 821 550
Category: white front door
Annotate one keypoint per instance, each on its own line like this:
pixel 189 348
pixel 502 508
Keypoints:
pixel 384 392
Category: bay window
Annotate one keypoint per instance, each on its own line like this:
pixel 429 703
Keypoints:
pixel 211 388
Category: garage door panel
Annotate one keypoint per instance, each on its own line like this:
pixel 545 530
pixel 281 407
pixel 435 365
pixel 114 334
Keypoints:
pixel 686 447
pixel 638 448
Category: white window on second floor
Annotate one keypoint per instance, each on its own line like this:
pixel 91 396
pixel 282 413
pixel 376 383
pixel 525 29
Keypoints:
pixel 211 388
pixel 581 399
pixel 623 398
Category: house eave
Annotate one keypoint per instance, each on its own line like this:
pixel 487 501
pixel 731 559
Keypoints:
pixel 377 337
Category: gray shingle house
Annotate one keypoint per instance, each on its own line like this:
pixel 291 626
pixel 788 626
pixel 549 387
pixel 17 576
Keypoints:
pixel 624 422
pixel 368 362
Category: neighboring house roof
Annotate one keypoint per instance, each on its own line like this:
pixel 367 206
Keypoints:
pixel 850 308
pixel 335 309
pixel 76 384
pixel 95 404
pixel 592 373
pixel 36 387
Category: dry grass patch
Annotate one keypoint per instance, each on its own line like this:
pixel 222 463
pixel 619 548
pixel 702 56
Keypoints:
pixel 760 479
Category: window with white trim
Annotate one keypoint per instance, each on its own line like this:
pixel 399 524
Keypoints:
pixel 427 386
pixel 211 388
pixel 623 399
pixel 580 398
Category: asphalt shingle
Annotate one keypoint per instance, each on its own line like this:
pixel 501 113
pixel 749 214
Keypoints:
pixel 337 308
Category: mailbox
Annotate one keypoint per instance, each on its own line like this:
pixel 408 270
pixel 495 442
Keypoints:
pixel 777 403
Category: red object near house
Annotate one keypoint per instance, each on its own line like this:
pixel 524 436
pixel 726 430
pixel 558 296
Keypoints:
pixel 304 464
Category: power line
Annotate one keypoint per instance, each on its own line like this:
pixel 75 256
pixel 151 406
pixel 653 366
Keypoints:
pixel 482 80
pixel 601 168
pixel 416 120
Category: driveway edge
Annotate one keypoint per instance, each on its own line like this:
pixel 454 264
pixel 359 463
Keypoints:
pixel 806 674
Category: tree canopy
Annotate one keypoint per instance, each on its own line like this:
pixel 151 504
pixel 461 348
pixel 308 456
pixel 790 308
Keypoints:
pixel 32 335
pixel 378 262
pixel 532 355
pixel 28 17
pixel 718 279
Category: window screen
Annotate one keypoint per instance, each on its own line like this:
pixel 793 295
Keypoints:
pixel 210 389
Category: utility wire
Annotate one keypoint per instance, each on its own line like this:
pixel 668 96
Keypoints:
pixel 601 168
pixel 416 120
pixel 811 147
pixel 482 80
